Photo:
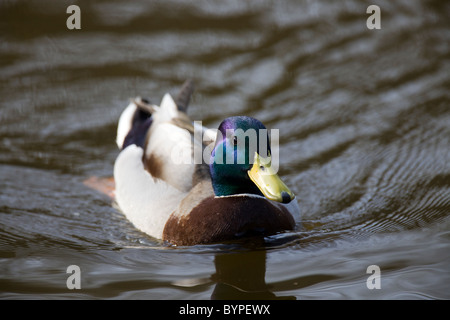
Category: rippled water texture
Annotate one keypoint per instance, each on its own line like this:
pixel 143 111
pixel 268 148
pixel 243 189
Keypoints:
pixel 364 120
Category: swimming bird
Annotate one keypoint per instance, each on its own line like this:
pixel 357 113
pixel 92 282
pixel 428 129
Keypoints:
pixel 185 184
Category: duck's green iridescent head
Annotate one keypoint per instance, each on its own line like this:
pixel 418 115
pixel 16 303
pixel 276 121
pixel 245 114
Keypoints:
pixel 241 161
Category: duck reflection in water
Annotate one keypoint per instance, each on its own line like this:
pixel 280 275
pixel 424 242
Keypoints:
pixel 240 275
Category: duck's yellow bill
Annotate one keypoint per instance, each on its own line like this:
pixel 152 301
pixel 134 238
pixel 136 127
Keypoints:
pixel 268 182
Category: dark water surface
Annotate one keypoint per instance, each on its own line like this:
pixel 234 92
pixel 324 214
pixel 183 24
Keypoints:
pixel 364 120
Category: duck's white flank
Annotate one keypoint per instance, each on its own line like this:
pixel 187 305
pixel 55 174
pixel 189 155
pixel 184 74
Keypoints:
pixel 145 201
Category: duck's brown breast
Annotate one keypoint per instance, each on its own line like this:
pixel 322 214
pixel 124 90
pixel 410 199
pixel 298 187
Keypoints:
pixel 221 219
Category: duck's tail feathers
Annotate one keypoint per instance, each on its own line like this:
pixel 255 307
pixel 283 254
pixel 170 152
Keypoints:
pixel 134 123
pixel 137 118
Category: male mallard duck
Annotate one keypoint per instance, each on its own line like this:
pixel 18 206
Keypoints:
pixel 167 193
